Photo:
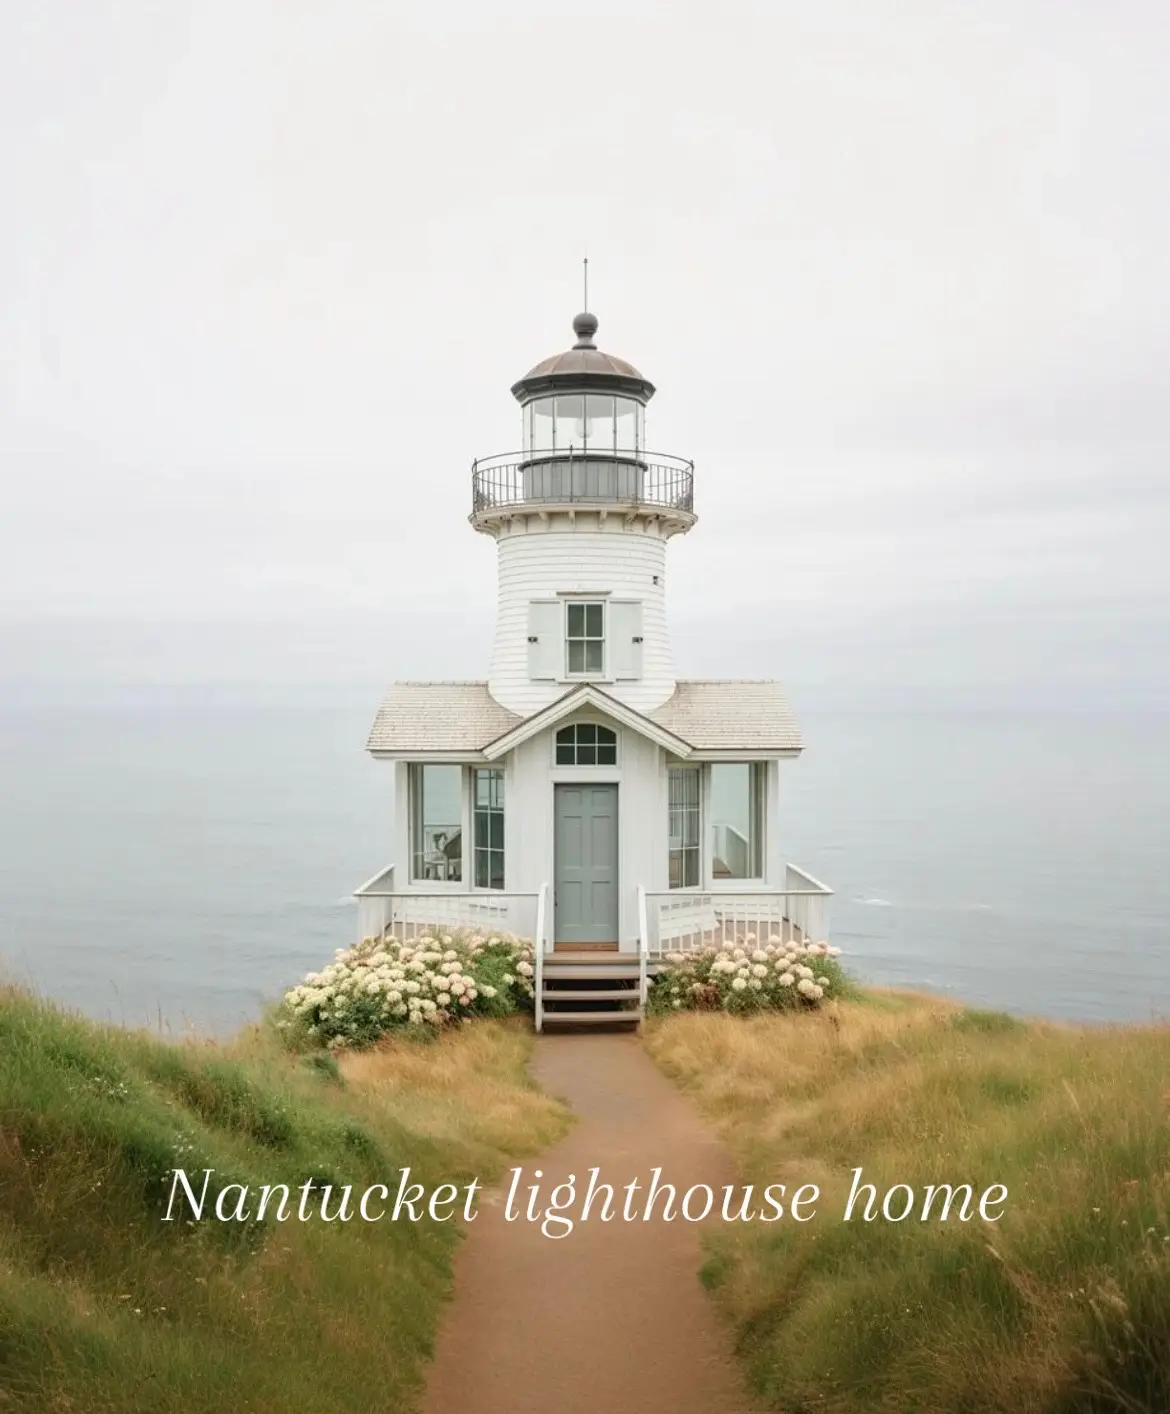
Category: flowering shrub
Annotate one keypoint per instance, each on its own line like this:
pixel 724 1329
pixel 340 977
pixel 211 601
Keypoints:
pixel 380 985
pixel 748 976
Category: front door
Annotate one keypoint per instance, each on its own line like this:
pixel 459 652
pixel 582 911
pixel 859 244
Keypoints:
pixel 585 842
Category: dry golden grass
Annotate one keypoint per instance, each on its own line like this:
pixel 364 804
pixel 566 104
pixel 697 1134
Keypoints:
pixel 1062 1305
pixel 468 1089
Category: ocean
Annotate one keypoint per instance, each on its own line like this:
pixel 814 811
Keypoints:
pixel 179 865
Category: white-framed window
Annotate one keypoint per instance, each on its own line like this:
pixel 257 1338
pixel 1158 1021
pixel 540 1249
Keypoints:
pixel 584 638
pixel 487 827
pixel 683 796
pixel 586 744
pixel 436 822
pixel 736 814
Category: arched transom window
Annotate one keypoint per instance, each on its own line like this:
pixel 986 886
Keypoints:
pixel 586 744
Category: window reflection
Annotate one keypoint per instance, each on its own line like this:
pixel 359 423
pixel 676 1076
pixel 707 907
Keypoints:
pixel 488 807
pixel 436 822
pixel 737 820
pixel 683 823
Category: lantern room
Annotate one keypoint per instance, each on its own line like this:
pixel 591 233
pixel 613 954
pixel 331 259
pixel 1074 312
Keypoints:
pixel 583 442
pixel 584 401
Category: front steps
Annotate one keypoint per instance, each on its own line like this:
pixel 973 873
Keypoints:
pixel 591 989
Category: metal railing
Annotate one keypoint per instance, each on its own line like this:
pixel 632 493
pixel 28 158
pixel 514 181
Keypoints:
pixel 516 479
pixel 686 920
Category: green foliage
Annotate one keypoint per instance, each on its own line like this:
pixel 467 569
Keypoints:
pixel 748 976
pixel 987 1023
pixel 108 1309
pixel 382 986
pixel 324 1065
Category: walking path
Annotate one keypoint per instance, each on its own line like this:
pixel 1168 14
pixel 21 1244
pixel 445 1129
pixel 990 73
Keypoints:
pixel 611 1317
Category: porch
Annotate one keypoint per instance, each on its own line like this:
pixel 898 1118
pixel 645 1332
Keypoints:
pixel 576 987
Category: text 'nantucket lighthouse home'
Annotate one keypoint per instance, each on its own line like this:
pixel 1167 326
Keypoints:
pixel 582 795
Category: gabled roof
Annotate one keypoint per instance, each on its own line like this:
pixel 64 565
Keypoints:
pixel 586 694
pixel 461 720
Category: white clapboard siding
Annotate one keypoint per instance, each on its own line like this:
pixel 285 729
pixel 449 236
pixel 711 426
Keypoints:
pixel 540 560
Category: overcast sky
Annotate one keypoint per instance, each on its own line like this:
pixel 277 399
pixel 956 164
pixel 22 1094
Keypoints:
pixel 899 272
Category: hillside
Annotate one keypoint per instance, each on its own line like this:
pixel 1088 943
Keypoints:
pixel 1061 1306
pixel 104 1309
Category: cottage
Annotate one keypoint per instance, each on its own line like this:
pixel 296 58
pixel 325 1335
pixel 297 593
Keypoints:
pixel 583 795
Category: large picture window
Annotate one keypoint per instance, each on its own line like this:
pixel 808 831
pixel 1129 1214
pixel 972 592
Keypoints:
pixel 683 795
pixel 436 823
pixel 737 820
pixel 585 639
pixel 487 804
pixel 585 744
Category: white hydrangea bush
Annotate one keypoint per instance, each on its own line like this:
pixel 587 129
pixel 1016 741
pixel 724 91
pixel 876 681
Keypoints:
pixel 749 975
pixel 381 985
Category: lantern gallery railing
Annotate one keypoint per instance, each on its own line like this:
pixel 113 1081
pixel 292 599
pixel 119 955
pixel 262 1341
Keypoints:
pixel 516 479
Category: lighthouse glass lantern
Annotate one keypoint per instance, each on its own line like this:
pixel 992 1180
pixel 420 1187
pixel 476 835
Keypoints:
pixel 598 424
pixel 584 417
pixel 584 443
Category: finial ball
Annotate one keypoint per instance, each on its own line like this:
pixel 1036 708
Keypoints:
pixel 585 326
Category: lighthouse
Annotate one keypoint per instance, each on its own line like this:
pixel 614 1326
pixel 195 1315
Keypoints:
pixel 581 517
pixel 582 794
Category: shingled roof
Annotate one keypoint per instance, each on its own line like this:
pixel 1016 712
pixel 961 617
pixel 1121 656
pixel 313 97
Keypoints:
pixel 463 717
pixel 439 716
pixel 730 716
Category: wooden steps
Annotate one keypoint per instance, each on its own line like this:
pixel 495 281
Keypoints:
pixel 588 994
pixel 592 988
pixel 591 1018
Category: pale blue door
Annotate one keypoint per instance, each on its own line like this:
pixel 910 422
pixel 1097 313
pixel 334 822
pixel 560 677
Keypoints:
pixel 585 891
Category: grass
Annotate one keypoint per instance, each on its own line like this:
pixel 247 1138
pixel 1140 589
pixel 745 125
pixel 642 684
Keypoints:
pixel 104 1309
pixel 1060 1307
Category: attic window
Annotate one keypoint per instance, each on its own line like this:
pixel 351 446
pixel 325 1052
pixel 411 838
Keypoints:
pixel 586 744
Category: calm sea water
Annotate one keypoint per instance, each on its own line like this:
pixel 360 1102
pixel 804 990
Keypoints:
pixel 182 864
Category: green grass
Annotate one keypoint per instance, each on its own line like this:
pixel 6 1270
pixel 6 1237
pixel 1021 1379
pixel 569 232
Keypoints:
pixel 106 1309
pixel 1060 1307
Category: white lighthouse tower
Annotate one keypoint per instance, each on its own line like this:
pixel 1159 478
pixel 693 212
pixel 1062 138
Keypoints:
pixel 581 517
pixel 583 795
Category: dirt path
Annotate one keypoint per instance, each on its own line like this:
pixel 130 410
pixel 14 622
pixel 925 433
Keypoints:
pixel 611 1317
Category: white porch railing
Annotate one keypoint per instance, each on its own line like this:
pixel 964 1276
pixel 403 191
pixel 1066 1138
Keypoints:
pixel 643 949
pixel 383 910
pixel 373 901
pixel 539 944
pixel 684 920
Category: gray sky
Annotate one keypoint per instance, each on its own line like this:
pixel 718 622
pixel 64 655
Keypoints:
pixel 899 272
